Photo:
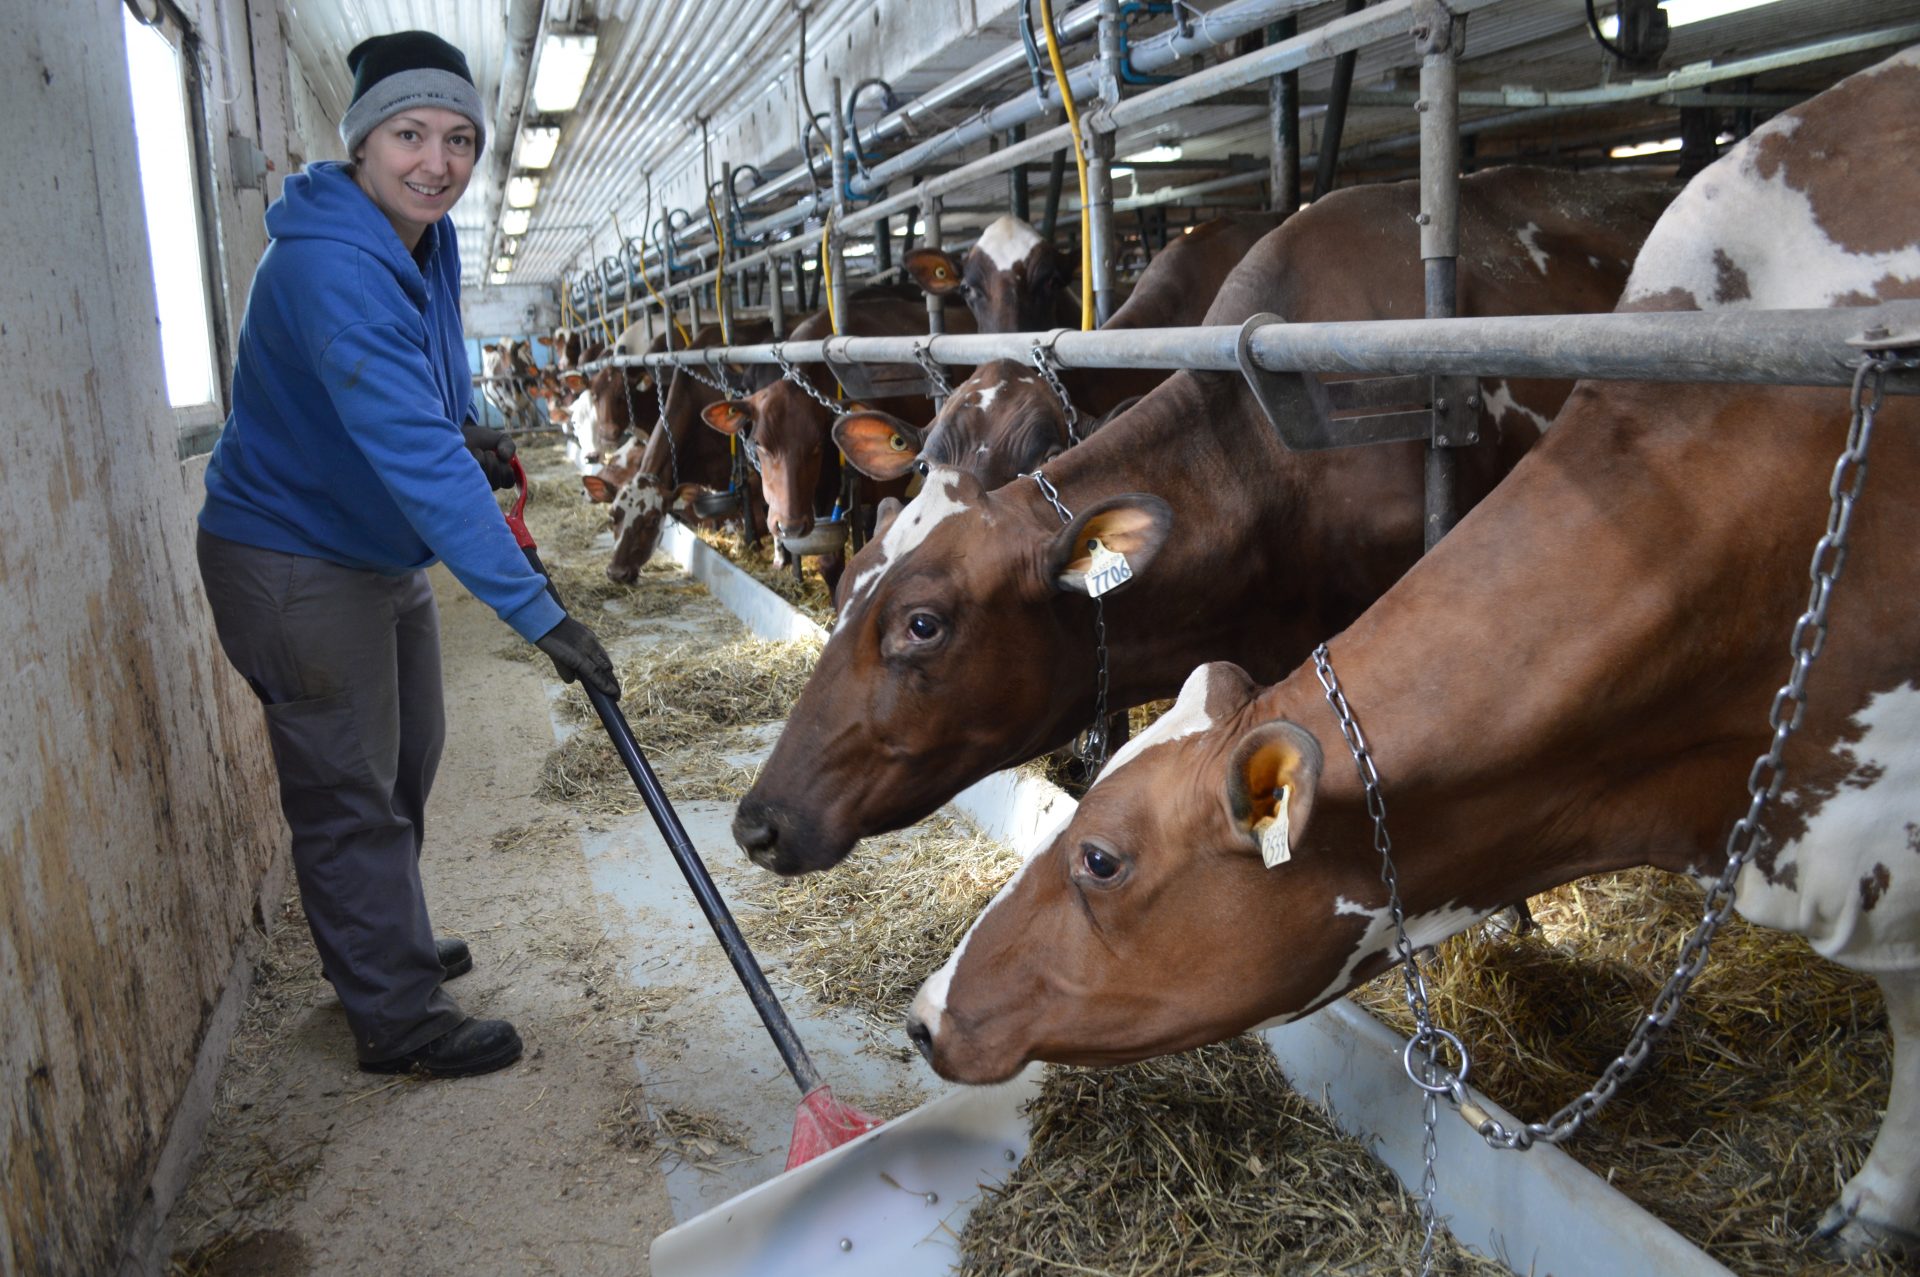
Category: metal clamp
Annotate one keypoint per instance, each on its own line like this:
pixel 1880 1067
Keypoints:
pixel 1456 411
pixel 1300 407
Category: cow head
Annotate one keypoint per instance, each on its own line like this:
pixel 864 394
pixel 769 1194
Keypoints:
pixel 941 622
pixel 1193 895
pixel 998 424
pixel 788 435
pixel 1012 279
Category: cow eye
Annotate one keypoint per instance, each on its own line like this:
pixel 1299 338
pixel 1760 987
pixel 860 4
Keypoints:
pixel 924 468
pixel 923 626
pixel 1100 864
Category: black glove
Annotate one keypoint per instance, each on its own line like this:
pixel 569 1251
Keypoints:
pixel 577 654
pixel 493 449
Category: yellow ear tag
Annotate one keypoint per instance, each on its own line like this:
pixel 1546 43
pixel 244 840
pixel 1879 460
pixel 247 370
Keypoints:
pixel 1275 846
pixel 1109 570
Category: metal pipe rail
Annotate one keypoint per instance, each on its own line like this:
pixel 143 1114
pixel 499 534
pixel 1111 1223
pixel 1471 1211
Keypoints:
pixel 1757 347
pixel 1387 20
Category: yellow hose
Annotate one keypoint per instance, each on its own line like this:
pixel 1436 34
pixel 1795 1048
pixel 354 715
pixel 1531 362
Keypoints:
pixel 720 272
pixel 1079 163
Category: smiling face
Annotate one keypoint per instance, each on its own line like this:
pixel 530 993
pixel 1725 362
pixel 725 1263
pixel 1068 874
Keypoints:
pixel 415 166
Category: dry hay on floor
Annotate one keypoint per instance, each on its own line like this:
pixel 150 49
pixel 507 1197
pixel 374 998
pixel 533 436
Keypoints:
pixel 547 836
pixel 587 776
pixel 696 1138
pixel 1762 1098
pixel 577 941
pixel 868 933
pixel 1205 1162
pixel 682 694
pixel 809 593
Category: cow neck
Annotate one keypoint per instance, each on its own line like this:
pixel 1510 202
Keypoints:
pixel 1226 585
pixel 1588 704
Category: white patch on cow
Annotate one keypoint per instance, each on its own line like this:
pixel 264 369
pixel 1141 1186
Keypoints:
pixel 1422 929
pixel 983 397
pixel 1863 842
pixel 934 506
pixel 1007 241
pixel 1733 224
pixel 1188 715
pixel 930 1003
pixel 581 420
pixel 639 497
pixel 632 340
pixel 1500 402
pixel 1529 239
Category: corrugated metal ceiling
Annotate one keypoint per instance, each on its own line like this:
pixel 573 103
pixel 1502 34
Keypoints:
pixel 663 65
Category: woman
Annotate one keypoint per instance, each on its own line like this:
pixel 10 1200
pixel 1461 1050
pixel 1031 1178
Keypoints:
pixel 348 466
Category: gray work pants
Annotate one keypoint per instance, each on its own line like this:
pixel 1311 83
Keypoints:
pixel 347 664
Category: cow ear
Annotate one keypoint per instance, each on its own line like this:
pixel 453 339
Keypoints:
pixel 884 514
pixel 729 416
pixel 682 498
pixel 879 444
pixel 1133 527
pixel 1271 781
pixel 599 491
pixel 488 349
pixel 934 270
pixel 575 381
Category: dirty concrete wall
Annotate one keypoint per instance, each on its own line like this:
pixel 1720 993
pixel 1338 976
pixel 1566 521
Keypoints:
pixel 138 826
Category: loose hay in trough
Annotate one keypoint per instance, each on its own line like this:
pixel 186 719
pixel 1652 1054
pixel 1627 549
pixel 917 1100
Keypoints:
pixel 867 934
pixel 809 594
pixel 1762 1098
pixel 1205 1162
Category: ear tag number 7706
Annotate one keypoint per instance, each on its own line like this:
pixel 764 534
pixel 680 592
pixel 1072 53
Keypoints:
pixel 1109 570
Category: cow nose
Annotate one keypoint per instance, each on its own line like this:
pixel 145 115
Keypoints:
pixel 620 574
pixel 795 528
pixel 921 1036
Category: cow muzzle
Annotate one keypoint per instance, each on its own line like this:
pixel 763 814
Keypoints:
pixel 771 840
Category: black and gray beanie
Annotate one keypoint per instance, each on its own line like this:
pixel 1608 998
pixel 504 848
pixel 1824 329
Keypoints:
pixel 408 68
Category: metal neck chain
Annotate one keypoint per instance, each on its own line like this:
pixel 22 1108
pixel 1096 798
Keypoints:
pixel 936 375
pixel 666 430
pixel 1091 746
pixel 805 382
pixel 1764 781
pixel 1050 373
pixel 718 381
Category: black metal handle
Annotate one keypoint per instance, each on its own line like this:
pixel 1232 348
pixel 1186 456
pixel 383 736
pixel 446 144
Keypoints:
pixel 765 1001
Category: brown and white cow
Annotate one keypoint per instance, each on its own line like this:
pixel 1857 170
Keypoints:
pixel 680 458
pixel 512 379
pixel 1012 280
pixel 1004 420
pixel 1576 680
pixel 965 643
pixel 790 433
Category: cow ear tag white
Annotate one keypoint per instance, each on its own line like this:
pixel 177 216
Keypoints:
pixel 1276 847
pixel 1108 571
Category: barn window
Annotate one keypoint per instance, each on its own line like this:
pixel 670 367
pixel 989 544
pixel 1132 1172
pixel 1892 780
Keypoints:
pixel 176 229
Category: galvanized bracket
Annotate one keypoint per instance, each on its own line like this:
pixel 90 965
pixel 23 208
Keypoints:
pixel 1435 27
pixel 1881 338
pixel 1300 408
pixel 1456 411
pixel 880 381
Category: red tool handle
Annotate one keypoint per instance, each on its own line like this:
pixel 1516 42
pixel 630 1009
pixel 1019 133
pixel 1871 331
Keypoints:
pixel 517 517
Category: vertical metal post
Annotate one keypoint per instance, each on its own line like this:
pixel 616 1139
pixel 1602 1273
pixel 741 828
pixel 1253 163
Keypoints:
pixel 836 260
pixel 1099 145
pixel 776 297
pixel 1056 178
pixel 1335 121
pixel 1017 178
pixel 883 245
pixel 1455 418
pixel 1283 124
pixel 936 305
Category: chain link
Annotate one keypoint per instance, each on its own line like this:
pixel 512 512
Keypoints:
pixel 805 383
pixel 722 385
pixel 1763 783
pixel 1091 745
pixel 1050 373
pixel 936 375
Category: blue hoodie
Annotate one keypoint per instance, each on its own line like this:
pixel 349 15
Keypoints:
pixel 349 388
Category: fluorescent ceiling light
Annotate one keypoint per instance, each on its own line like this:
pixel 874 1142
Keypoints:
pixel 1645 148
pixel 536 147
pixel 1682 13
pixel 514 221
pixel 510 246
pixel 501 265
pixel 522 191
pixel 564 63
pixel 496 278
pixel 1153 155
